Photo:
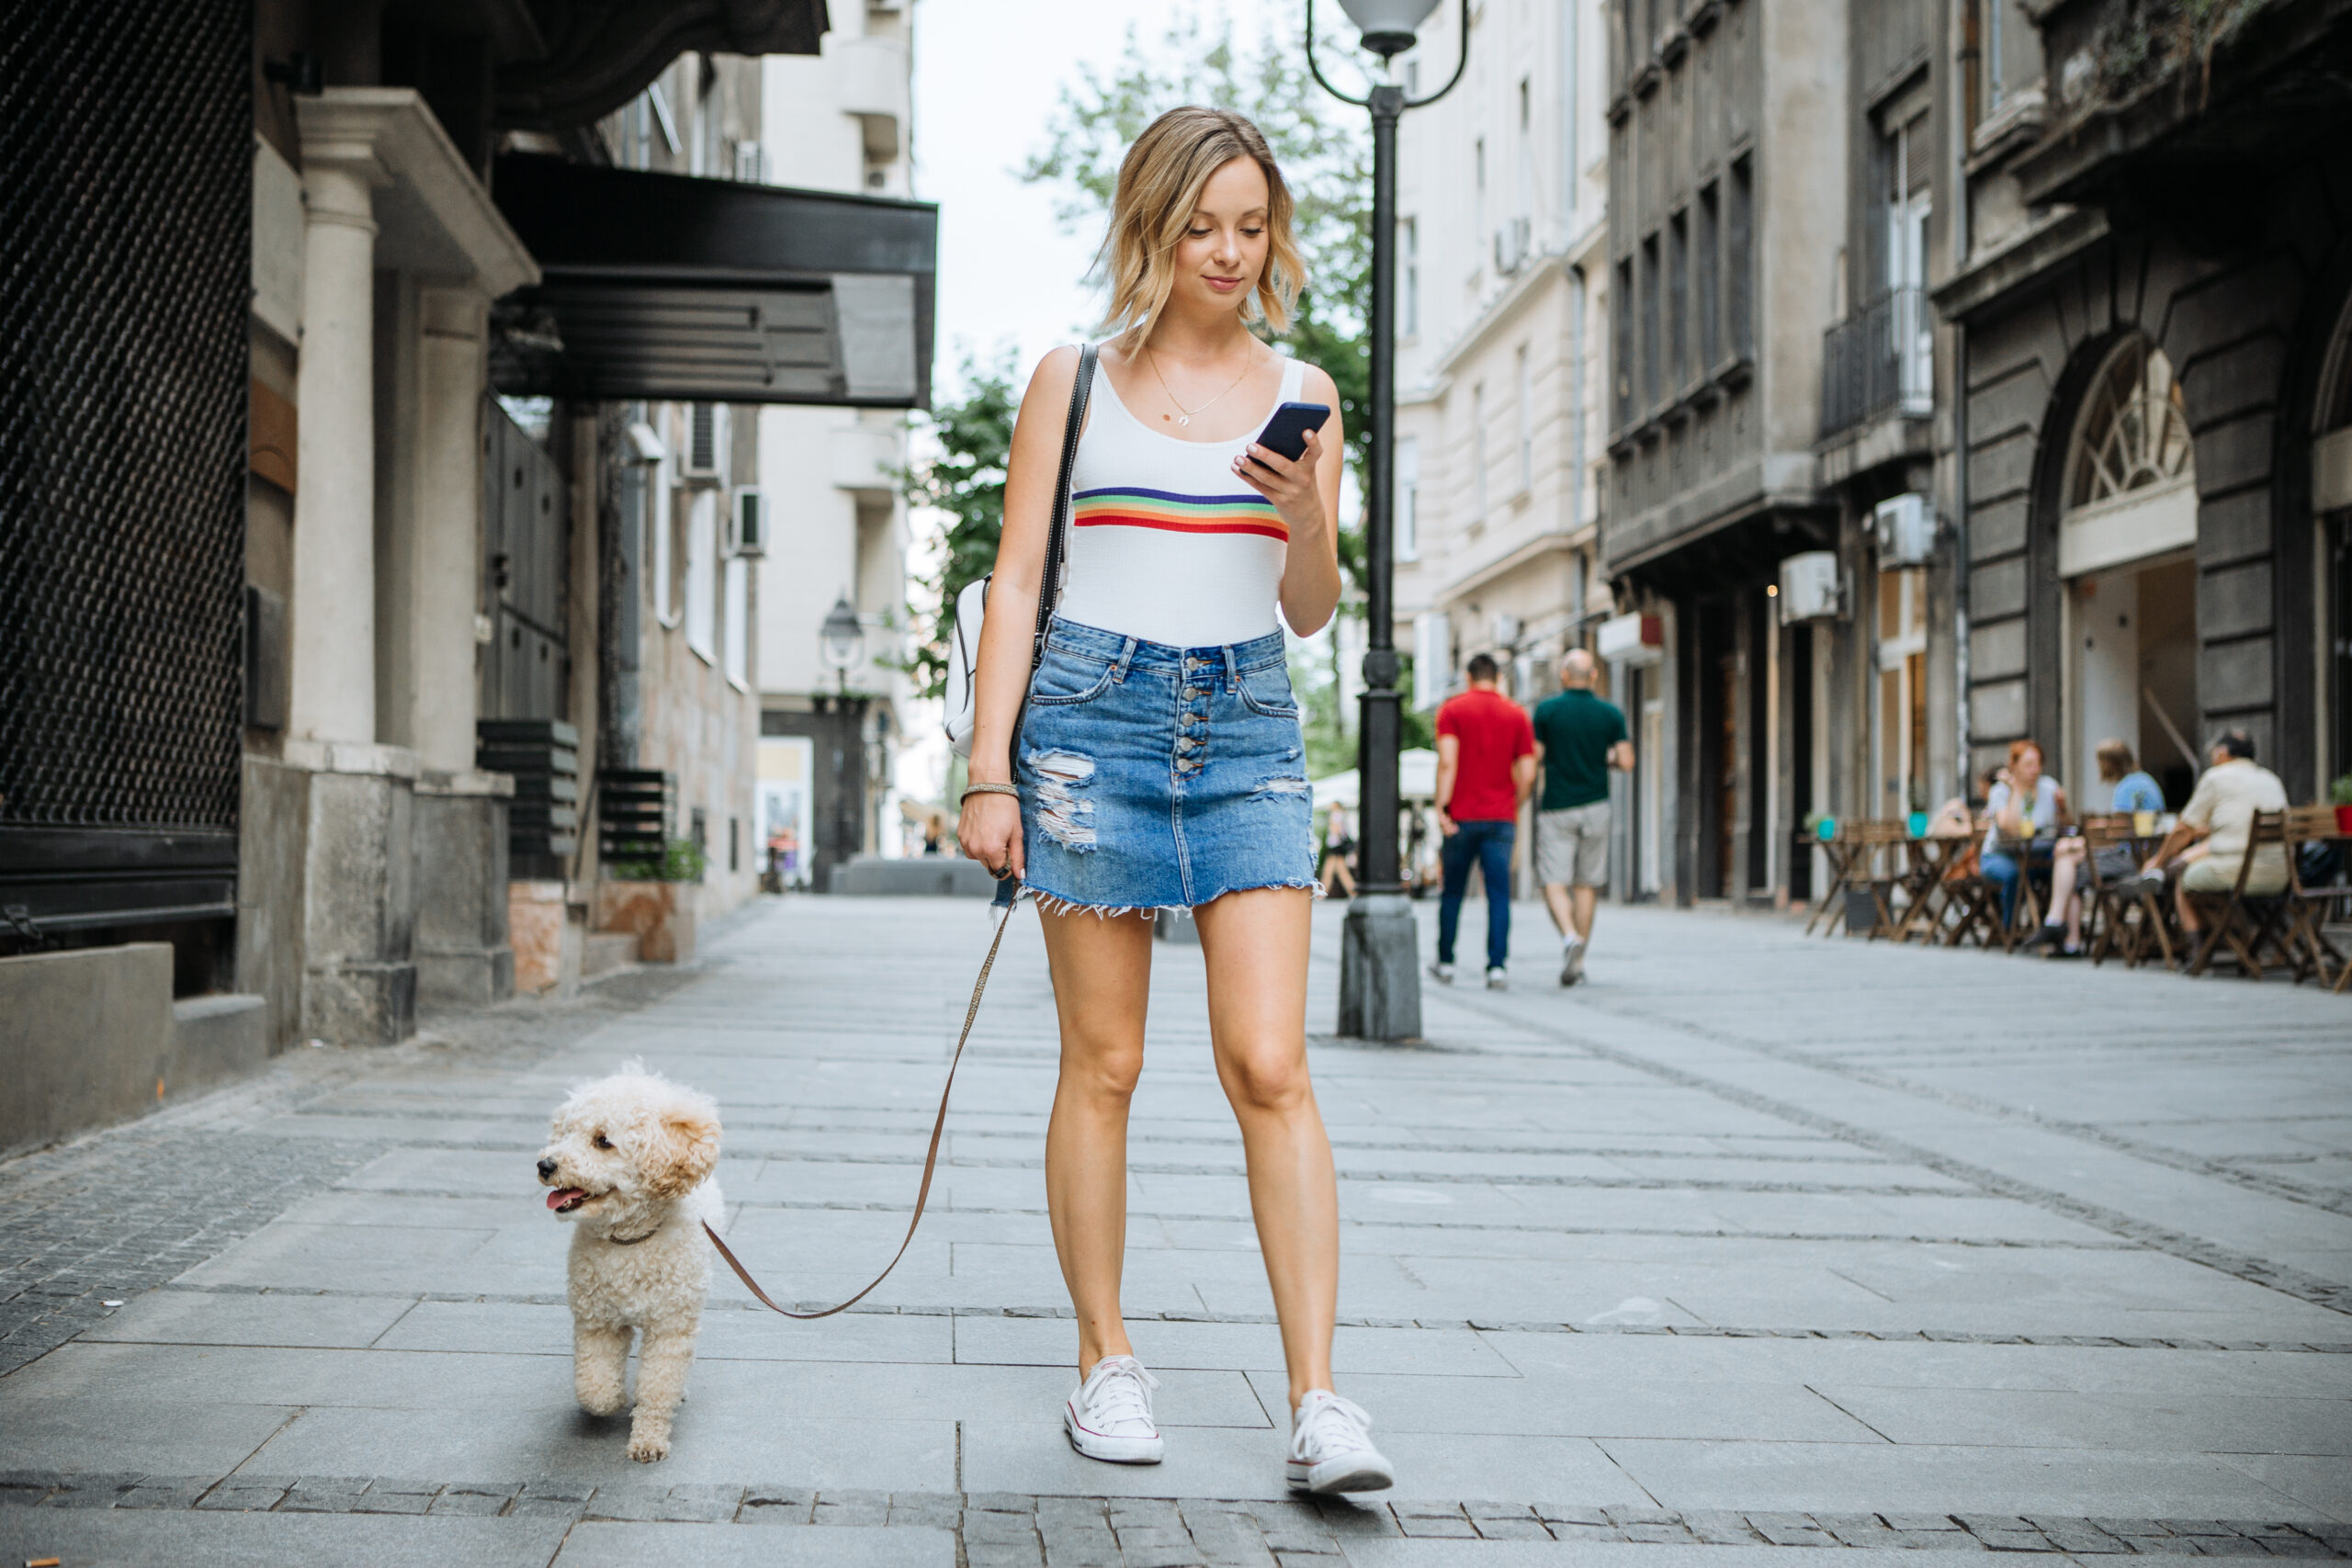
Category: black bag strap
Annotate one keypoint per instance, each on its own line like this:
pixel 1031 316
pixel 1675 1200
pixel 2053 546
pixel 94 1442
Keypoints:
pixel 1049 585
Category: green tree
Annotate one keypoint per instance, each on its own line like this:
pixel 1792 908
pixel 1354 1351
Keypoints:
pixel 1325 151
pixel 962 476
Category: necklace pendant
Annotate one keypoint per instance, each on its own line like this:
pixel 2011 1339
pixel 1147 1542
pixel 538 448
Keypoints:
pixel 1184 419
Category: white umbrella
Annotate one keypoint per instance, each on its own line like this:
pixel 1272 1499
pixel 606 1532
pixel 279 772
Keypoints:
pixel 1416 780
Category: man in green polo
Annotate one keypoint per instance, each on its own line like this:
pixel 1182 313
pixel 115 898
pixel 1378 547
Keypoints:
pixel 1579 735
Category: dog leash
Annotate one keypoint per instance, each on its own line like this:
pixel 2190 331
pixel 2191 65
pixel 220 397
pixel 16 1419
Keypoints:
pixel 930 1160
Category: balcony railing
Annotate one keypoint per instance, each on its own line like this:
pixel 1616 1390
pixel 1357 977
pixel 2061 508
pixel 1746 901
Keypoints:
pixel 1878 361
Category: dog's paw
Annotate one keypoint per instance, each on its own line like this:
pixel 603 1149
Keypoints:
pixel 600 1402
pixel 646 1448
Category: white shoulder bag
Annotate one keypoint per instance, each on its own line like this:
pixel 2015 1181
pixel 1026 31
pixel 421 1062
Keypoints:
pixel 971 605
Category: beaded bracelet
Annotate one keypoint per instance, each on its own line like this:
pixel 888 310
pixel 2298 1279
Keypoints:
pixel 971 790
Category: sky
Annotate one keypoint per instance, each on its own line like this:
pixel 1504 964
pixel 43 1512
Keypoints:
pixel 988 77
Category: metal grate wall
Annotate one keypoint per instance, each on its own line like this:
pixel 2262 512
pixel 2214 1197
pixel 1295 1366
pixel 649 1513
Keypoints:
pixel 125 158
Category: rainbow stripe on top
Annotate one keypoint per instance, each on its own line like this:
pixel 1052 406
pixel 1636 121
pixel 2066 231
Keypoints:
pixel 1122 507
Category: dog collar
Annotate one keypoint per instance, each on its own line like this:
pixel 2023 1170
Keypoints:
pixel 632 1241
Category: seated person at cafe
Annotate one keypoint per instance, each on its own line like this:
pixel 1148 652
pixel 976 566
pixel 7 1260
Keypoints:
pixel 2134 791
pixel 2026 807
pixel 1953 818
pixel 2208 846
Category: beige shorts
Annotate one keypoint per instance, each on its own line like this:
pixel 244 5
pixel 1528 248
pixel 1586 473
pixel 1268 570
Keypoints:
pixel 2214 875
pixel 1571 846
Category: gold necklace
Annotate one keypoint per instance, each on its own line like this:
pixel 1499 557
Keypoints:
pixel 1183 414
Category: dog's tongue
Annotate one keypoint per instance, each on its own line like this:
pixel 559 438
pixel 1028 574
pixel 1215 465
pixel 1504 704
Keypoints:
pixel 562 1195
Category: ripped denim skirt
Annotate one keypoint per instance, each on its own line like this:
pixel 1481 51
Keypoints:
pixel 1160 777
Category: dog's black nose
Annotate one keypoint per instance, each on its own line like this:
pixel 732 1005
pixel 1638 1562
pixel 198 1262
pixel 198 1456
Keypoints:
pixel 547 1169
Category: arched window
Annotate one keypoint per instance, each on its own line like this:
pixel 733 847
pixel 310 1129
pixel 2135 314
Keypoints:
pixel 2131 487
pixel 2134 430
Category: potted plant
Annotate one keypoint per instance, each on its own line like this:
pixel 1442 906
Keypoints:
pixel 2339 793
pixel 653 899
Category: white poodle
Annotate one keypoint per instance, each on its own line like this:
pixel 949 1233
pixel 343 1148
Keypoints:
pixel 631 1159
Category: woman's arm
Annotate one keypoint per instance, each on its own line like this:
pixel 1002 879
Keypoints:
pixel 990 826
pixel 1307 493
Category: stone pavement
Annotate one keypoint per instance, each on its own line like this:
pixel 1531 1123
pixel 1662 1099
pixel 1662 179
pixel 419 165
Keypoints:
pixel 1755 1252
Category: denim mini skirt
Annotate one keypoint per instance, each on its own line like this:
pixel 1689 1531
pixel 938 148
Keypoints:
pixel 1160 777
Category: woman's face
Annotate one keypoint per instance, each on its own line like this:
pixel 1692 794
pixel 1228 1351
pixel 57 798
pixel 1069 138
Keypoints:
pixel 1223 251
pixel 2027 769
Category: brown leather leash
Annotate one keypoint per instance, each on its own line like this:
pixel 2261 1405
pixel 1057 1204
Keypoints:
pixel 930 1160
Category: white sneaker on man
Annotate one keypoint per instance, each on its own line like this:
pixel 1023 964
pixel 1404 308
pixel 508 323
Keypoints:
pixel 1109 1417
pixel 1441 972
pixel 1571 963
pixel 1498 978
pixel 1330 1448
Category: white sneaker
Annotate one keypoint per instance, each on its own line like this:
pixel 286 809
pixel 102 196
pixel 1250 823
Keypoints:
pixel 1572 964
pixel 1109 1417
pixel 1441 972
pixel 1331 1449
pixel 1496 980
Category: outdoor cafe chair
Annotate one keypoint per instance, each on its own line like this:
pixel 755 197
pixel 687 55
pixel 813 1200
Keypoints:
pixel 2308 908
pixel 2127 916
pixel 1975 901
pixel 2248 924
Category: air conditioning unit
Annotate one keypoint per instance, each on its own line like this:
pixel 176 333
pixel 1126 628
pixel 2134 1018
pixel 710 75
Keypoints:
pixel 1631 639
pixel 1811 588
pixel 705 457
pixel 747 525
pixel 1906 530
pixel 1513 243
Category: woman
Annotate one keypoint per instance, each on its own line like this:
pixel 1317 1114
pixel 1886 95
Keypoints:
pixel 1159 762
pixel 2133 791
pixel 2026 807
pixel 1338 853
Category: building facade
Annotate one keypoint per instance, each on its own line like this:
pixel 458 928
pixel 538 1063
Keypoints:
pixel 2149 288
pixel 832 712
pixel 367 516
pixel 1502 297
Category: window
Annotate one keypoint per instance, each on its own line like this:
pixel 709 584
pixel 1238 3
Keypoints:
pixel 1994 76
pixel 1678 299
pixel 1408 498
pixel 1409 235
pixel 664 575
pixel 702 575
pixel 1711 346
pixel 738 630
pixel 1526 424
pixel 1904 198
pixel 1478 191
pixel 2135 429
pixel 1478 452
pixel 1739 282
pixel 1621 356
pixel 1650 345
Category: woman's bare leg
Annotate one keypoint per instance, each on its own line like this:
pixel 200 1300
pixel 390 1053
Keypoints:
pixel 1255 945
pixel 1101 969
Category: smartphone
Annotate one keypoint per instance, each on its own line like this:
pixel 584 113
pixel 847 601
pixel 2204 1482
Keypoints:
pixel 1286 432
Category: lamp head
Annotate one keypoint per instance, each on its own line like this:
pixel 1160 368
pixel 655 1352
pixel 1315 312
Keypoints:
pixel 841 639
pixel 1388 26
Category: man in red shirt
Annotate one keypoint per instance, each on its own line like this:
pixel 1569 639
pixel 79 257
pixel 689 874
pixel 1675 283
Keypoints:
pixel 1485 768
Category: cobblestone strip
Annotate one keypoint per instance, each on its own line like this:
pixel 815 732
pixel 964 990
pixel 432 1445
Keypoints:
pixel 1482 1324
pixel 1001 1530
pixel 2279 1277
pixel 102 1224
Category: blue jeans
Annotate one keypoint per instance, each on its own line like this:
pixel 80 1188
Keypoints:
pixel 1488 843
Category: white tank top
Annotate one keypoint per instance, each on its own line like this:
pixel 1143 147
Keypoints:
pixel 1165 543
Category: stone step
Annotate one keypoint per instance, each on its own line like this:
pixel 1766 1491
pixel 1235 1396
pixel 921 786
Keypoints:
pixel 606 951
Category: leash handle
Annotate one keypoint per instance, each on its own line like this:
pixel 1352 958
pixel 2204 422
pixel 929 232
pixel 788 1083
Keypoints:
pixel 930 1160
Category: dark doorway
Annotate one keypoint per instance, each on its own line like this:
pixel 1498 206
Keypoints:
pixel 1715 797
pixel 1798 672
pixel 525 542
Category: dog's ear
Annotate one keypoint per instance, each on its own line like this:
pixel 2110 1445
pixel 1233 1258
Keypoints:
pixel 684 1147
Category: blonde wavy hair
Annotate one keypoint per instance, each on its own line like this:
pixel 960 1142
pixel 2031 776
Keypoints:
pixel 1159 186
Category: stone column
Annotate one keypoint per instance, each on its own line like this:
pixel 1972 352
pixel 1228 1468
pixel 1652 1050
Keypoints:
pixel 332 695
pixel 445 547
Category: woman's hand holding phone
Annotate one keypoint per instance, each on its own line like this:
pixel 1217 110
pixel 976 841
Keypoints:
pixel 1290 481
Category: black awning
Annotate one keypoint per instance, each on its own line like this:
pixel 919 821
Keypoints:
pixel 667 287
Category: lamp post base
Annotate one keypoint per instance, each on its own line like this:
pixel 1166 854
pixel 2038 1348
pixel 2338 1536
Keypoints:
pixel 1380 969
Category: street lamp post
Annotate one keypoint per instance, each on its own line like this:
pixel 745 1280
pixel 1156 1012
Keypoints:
pixel 840 640
pixel 1380 976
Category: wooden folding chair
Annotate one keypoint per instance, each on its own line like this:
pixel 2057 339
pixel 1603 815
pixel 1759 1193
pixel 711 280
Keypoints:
pixel 1846 853
pixel 1973 900
pixel 2127 916
pixel 2308 908
pixel 2246 924
pixel 1881 840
